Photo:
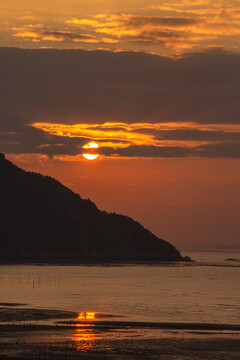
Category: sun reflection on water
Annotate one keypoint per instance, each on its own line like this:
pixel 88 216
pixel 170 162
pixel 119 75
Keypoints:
pixel 84 336
pixel 84 339
pixel 86 316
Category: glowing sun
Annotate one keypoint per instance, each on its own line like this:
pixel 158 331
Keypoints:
pixel 91 154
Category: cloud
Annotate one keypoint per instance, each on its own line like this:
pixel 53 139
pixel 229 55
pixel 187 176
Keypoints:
pixel 146 151
pixel 140 29
pixel 169 28
pixel 121 135
pixel 177 30
pixel 141 21
pixel 99 86
pixel 133 104
pixel 52 35
pixel 111 29
pixel 128 22
pixel 207 8
pixel 193 135
pixel 18 138
pixel 220 150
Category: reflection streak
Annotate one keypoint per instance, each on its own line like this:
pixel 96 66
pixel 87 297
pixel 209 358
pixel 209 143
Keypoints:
pixel 84 335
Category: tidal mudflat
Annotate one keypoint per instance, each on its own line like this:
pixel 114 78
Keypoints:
pixel 173 312
pixel 50 334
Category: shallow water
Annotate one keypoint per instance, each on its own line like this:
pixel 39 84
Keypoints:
pixel 198 293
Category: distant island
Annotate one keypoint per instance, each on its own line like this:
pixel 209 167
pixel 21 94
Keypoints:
pixel 42 221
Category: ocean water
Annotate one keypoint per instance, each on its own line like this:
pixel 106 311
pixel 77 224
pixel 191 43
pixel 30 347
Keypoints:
pixel 208 291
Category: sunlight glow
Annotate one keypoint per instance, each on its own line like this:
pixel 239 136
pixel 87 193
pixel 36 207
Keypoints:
pixel 91 145
pixel 90 156
pixel 120 135
pixel 84 337
pixel 86 316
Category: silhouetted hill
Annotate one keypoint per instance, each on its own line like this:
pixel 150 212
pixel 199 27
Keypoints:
pixel 43 221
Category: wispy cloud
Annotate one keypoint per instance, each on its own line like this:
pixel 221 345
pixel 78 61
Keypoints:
pixel 138 29
pixel 153 140
pixel 181 26
pixel 167 27
pixel 52 35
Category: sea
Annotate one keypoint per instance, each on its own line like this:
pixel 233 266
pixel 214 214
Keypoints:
pixel 205 291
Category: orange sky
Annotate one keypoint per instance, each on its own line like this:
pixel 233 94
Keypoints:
pixel 164 27
pixel 155 83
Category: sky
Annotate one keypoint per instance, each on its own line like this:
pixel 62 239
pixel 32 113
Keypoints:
pixel 155 84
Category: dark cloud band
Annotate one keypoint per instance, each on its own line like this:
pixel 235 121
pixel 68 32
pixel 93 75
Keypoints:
pixel 77 86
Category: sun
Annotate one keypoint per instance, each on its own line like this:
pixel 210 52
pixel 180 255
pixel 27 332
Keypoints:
pixel 91 154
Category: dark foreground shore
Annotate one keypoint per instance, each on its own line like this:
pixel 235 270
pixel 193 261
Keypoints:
pixel 163 349
pixel 36 334
pixel 30 348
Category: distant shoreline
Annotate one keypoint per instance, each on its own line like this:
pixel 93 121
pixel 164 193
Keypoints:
pixel 121 263
pixel 91 261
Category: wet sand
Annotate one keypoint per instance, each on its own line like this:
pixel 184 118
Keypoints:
pixel 51 334
pixel 165 349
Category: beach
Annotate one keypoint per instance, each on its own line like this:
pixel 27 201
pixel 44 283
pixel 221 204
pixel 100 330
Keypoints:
pixel 166 312
pixel 46 334
pixel 50 344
